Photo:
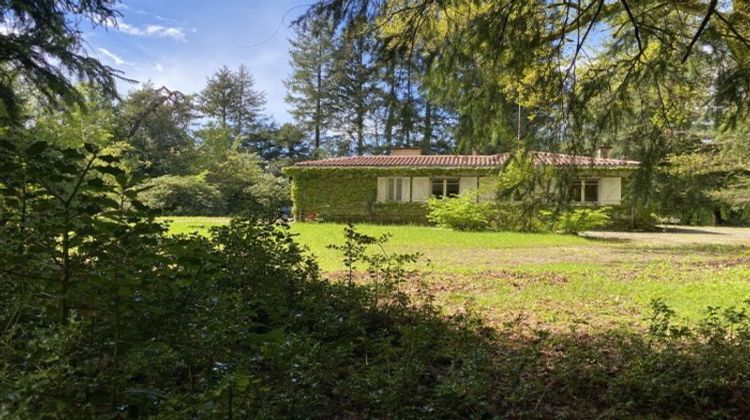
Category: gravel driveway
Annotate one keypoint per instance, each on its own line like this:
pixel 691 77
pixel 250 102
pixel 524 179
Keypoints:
pixel 677 235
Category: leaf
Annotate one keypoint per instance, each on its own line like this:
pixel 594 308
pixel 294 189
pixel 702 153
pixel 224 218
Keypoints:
pixel 111 170
pixel 66 168
pixel 37 148
pixel 122 180
pixel 72 153
pixel 95 182
pixel 90 148
pixel 139 206
pixel 107 202
pixel 109 158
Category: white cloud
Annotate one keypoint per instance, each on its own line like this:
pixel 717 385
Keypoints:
pixel 114 57
pixel 153 31
pixel 158 67
pixel 137 11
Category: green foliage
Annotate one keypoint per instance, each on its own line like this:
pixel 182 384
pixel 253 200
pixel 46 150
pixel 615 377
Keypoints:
pixel 42 45
pixel 231 100
pixel 237 185
pixel 188 195
pixel 156 124
pixel 309 88
pixel 350 194
pixel 245 187
pixel 522 192
pixel 460 213
pixel 579 220
pixel 106 316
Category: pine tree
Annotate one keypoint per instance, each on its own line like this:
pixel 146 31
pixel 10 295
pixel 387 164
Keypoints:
pixel 354 75
pixel 216 99
pixel 249 103
pixel 309 86
pixel 230 98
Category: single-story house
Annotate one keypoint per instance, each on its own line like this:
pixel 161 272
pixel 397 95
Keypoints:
pixel 394 188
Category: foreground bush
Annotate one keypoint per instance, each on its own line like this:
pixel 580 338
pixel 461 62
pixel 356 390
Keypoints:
pixel 103 315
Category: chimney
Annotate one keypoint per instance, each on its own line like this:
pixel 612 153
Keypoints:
pixel 602 152
pixel 406 151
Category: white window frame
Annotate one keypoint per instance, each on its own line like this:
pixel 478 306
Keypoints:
pixel 583 183
pixel 394 189
pixel 444 181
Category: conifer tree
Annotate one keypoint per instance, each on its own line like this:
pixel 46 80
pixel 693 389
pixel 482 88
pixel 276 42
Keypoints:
pixel 231 99
pixel 309 86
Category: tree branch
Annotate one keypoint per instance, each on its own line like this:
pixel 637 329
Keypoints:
pixel 711 10
pixel 636 28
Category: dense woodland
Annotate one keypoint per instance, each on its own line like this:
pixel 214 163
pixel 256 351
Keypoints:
pixel 102 314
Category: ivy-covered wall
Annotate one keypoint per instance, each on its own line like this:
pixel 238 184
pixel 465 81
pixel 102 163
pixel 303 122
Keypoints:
pixel 350 194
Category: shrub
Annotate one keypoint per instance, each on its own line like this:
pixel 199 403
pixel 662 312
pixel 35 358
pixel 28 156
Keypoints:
pixel 511 217
pixel 187 195
pixel 105 316
pixel 460 213
pixel 580 220
pixel 245 188
pixel 269 195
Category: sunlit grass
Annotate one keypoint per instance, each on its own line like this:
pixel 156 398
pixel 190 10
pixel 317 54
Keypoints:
pixel 556 281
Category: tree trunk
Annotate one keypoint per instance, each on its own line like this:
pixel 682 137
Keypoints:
pixel 391 103
pixel 427 139
pixel 360 133
pixel 318 108
pixel 718 220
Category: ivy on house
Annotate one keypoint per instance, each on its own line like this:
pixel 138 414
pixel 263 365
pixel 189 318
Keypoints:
pixel 350 194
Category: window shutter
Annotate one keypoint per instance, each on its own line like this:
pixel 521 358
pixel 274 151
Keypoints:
pixel 382 188
pixel 610 190
pixel 405 189
pixel 467 183
pixel 421 189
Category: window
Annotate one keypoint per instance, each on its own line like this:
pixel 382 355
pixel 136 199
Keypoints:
pixel 591 191
pixel 395 189
pixel 445 187
pixel 585 191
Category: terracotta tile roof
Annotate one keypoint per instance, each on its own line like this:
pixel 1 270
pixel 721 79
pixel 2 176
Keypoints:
pixel 463 161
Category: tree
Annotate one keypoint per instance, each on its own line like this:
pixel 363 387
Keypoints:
pixel 249 103
pixel 354 85
pixel 157 125
pixel 230 99
pixel 309 88
pixel 93 122
pixel 292 139
pixel 509 68
pixel 217 99
pixel 41 46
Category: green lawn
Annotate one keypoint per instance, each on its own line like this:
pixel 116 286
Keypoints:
pixel 549 280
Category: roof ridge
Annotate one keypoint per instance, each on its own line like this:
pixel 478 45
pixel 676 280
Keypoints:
pixel 450 160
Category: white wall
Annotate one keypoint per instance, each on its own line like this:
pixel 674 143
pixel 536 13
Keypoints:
pixel 467 183
pixel 420 189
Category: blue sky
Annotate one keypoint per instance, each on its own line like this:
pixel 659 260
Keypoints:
pixel 179 44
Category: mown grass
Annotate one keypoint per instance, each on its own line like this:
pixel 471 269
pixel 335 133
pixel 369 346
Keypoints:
pixel 549 280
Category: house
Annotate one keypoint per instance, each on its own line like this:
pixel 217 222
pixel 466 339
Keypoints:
pixel 393 188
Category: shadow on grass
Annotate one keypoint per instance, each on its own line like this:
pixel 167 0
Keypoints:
pixel 405 360
pixel 690 249
pixel 688 230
